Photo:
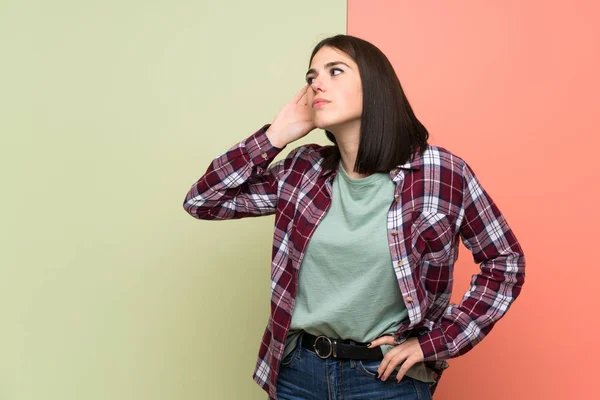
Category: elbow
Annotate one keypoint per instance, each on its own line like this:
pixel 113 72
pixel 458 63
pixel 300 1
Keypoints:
pixel 518 274
pixel 189 209
pixel 197 211
pixel 200 210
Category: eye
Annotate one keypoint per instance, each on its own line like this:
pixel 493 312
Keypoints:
pixel 310 78
pixel 335 69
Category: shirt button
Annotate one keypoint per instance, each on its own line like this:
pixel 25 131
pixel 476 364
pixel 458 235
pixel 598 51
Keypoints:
pixel 409 300
pixel 265 156
pixel 397 197
pixel 394 232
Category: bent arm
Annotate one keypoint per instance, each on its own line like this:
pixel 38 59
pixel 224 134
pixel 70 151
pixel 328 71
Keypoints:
pixel 485 232
pixel 237 183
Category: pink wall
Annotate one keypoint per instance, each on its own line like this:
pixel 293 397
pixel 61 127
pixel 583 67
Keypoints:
pixel 512 87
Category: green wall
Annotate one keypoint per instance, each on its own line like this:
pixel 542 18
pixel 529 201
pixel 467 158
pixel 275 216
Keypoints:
pixel 109 112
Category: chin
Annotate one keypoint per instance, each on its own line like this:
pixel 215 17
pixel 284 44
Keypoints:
pixel 324 124
pixel 339 121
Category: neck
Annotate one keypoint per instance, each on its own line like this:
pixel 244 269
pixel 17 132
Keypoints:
pixel 347 138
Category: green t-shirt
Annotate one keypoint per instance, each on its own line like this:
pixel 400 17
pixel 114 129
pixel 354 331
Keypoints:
pixel 347 287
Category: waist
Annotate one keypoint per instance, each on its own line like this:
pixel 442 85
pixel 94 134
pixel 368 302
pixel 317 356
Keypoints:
pixel 326 347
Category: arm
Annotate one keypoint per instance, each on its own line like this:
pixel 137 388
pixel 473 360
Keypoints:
pixel 237 184
pixel 485 232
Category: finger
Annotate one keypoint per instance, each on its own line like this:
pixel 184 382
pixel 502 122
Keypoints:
pixel 383 366
pixel 388 363
pixel 387 339
pixel 404 368
pixel 300 94
pixel 304 100
pixel 396 360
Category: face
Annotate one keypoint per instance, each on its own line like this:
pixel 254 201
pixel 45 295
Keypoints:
pixel 334 76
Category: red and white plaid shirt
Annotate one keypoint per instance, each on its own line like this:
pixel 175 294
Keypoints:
pixel 437 200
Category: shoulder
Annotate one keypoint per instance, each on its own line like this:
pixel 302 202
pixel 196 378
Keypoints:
pixel 438 157
pixel 312 153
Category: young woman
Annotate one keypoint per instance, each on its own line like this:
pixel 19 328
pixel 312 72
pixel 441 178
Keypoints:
pixel 366 237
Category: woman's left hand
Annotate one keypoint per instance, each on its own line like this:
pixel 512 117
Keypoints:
pixel 408 354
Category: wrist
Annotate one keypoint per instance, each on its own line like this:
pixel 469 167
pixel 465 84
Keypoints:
pixel 275 138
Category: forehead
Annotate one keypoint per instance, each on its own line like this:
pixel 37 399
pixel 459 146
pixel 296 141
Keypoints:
pixel 328 54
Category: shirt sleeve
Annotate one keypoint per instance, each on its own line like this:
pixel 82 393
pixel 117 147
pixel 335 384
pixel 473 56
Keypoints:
pixel 238 183
pixel 485 232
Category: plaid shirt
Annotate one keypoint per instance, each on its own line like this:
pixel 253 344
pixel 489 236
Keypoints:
pixel 437 200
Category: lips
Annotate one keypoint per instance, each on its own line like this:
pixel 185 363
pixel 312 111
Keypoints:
pixel 318 102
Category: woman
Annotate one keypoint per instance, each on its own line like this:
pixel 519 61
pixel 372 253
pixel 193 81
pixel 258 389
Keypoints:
pixel 366 236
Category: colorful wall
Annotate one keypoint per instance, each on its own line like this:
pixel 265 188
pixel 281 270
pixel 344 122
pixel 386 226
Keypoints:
pixel 109 112
pixel 512 87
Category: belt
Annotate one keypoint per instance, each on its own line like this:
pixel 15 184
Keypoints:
pixel 326 347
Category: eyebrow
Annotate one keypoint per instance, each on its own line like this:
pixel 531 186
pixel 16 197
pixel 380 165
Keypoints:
pixel 328 65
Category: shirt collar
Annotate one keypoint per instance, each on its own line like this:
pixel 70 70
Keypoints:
pixel 415 164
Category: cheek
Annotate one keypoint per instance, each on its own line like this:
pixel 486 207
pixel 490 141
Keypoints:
pixel 353 97
pixel 358 104
pixel 355 102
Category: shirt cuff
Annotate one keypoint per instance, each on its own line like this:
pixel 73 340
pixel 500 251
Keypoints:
pixel 259 147
pixel 434 345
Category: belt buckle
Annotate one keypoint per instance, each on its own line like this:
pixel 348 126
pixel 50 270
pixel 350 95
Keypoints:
pixel 331 350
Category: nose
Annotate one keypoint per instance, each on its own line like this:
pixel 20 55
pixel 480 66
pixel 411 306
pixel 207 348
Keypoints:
pixel 317 84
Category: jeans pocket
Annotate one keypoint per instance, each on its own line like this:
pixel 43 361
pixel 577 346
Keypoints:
pixel 423 389
pixel 368 367
pixel 288 360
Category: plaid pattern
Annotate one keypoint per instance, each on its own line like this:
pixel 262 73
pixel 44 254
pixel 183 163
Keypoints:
pixel 437 200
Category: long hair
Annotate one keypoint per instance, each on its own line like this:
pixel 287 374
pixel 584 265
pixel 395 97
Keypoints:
pixel 390 133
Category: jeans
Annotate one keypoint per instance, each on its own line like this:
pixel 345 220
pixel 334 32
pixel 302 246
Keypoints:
pixel 303 375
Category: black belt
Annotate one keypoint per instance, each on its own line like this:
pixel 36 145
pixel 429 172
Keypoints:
pixel 326 347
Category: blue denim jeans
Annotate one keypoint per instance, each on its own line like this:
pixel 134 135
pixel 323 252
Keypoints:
pixel 303 375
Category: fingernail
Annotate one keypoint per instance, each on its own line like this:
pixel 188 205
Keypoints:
pixel 369 344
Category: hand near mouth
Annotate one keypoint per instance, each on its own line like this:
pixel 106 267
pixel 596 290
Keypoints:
pixel 292 122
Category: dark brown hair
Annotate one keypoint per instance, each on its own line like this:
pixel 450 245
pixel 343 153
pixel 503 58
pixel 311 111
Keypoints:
pixel 389 130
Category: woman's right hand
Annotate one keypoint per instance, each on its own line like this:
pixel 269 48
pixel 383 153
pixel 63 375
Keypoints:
pixel 292 122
